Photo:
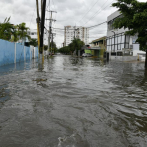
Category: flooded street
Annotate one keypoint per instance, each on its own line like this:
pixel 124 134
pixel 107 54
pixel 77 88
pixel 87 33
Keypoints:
pixel 73 102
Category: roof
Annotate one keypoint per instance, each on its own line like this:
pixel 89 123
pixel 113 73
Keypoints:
pixel 113 15
pixel 97 40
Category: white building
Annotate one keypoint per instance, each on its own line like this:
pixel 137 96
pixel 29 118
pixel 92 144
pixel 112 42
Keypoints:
pixel 77 32
pixel 33 34
pixel 119 44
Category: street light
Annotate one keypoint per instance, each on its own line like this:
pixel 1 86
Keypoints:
pixel 114 39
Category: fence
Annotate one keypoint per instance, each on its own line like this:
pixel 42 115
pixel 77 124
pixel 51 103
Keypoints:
pixel 11 52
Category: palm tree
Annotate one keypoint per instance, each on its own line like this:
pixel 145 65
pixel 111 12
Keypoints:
pixel 14 36
pixel 6 29
pixel 22 32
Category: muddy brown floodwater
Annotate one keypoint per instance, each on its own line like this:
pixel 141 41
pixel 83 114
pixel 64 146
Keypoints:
pixel 73 102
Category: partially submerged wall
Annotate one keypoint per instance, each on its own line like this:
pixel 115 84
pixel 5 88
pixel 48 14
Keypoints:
pixel 11 52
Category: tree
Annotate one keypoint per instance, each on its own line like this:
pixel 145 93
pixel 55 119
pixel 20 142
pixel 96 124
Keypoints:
pixel 71 47
pixel 65 50
pixel 22 31
pixel 54 47
pixel 33 42
pixel 135 19
pixel 6 29
pixel 45 47
pixel 76 44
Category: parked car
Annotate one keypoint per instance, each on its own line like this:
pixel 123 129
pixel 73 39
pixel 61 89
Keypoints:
pixel 86 55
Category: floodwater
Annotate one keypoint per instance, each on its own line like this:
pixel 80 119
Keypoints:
pixel 73 102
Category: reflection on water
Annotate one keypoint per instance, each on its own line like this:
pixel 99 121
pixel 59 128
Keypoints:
pixel 74 102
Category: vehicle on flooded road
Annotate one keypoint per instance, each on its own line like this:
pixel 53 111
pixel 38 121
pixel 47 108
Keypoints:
pixel 86 55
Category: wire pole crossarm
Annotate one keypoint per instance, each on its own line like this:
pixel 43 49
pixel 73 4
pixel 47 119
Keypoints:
pixel 51 19
pixel 52 11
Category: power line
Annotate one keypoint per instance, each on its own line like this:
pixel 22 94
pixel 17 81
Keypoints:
pixel 99 11
pixel 97 25
pixel 32 17
pixel 90 9
pixel 91 27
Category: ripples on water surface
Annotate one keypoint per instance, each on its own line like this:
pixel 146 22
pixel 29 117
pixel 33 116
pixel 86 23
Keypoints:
pixel 71 102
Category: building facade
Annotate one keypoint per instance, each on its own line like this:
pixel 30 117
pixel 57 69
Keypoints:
pixel 119 44
pixel 99 47
pixel 71 32
pixel 33 34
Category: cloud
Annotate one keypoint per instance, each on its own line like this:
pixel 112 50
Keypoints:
pixel 78 12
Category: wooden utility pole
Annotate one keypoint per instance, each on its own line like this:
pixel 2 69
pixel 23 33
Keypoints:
pixel 38 23
pixel 50 30
pixel 42 25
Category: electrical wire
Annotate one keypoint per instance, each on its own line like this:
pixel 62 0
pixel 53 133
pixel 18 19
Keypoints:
pixel 89 10
pixel 32 17
pixel 99 11
pixel 91 27
pixel 97 25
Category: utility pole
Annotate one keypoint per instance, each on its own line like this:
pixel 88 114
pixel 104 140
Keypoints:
pixel 52 42
pixel 38 23
pixel 50 30
pixel 42 25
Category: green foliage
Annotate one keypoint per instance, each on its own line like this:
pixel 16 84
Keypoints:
pixel 65 50
pixel 33 42
pixel 53 46
pixel 14 37
pixel 45 47
pixel 134 18
pixel 76 44
pixel 6 29
pixel 11 32
pixel 22 31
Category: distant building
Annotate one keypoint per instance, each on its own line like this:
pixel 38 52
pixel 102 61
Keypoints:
pixel 33 34
pixel 99 46
pixel 119 44
pixel 74 31
pixel 96 48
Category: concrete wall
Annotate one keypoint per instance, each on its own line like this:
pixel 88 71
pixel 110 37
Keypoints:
pixel 6 52
pixel 125 58
pixel 11 52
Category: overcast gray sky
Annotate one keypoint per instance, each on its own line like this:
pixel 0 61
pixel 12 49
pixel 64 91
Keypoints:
pixel 69 12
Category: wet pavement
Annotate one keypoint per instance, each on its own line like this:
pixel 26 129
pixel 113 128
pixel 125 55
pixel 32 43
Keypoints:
pixel 73 102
